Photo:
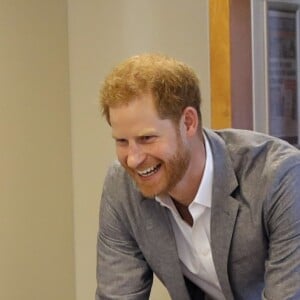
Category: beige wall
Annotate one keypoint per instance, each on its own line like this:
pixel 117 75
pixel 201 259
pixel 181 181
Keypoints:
pixel 101 33
pixel 51 131
pixel 36 224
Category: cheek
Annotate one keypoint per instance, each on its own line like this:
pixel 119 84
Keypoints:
pixel 163 152
pixel 121 155
pixel 168 148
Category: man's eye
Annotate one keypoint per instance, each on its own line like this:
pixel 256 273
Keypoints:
pixel 121 142
pixel 147 138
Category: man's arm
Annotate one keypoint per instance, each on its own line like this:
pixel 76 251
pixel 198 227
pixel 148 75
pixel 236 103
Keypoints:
pixel 282 276
pixel 122 272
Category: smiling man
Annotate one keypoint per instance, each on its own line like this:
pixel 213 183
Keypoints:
pixel 214 214
pixel 157 153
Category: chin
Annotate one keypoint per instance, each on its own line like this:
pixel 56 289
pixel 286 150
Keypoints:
pixel 149 192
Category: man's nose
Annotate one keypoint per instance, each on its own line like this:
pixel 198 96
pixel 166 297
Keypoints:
pixel 135 156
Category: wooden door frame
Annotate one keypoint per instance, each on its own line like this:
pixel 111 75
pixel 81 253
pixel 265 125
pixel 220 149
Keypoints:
pixel 230 63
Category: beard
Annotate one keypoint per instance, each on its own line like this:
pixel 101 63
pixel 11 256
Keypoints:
pixel 173 168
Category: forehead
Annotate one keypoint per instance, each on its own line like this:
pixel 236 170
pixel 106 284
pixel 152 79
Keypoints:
pixel 137 117
pixel 139 106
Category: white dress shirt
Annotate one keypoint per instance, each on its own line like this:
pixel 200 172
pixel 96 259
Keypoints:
pixel 193 243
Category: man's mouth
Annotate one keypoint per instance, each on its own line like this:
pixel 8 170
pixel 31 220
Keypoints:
pixel 149 171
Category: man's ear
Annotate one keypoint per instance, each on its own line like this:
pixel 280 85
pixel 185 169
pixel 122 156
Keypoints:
pixel 190 120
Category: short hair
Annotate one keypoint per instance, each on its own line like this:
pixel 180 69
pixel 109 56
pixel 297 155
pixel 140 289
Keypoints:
pixel 173 85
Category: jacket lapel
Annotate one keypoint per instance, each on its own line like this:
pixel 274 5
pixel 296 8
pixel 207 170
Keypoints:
pixel 224 210
pixel 161 249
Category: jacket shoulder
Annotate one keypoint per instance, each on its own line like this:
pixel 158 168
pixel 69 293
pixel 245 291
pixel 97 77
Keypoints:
pixel 249 149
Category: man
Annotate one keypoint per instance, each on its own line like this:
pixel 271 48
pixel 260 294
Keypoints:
pixel 214 214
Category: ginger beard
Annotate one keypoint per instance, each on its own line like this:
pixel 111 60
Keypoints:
pixel 169 172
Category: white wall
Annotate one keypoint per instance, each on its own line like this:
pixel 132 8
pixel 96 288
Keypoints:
pixel 102 33
pixel 36 220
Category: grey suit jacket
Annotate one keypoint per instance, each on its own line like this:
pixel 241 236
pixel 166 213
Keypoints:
pixel 255 226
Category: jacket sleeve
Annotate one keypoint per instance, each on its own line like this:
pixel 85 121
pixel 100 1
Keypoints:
pixel 122 271
pixel 282 268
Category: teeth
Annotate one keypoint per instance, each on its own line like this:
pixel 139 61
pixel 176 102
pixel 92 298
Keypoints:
pixel 149 171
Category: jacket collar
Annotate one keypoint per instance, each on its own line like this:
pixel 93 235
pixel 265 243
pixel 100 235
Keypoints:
pixel 224 209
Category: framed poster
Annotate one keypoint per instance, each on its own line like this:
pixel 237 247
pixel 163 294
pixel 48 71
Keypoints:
pixel 282 76
pixel 276 65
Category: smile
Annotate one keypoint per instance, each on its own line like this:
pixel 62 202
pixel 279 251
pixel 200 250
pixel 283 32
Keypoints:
pixel 150 171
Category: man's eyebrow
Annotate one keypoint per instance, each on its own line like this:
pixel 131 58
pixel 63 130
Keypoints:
pixel 144 132
pixel 147 131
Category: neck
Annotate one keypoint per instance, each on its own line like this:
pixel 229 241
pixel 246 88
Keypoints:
pixel 186 190
pixel 184 213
